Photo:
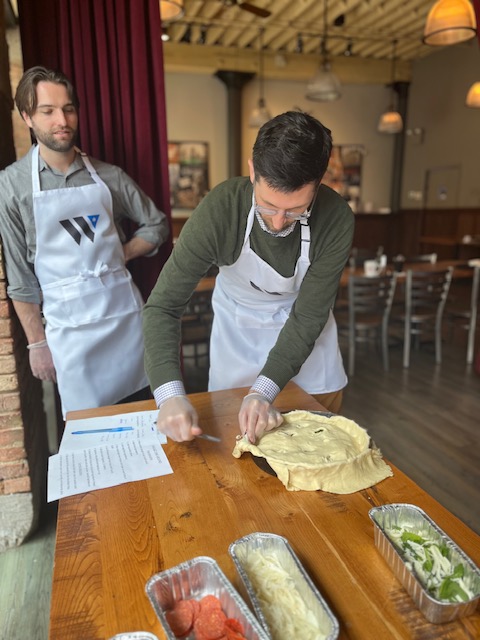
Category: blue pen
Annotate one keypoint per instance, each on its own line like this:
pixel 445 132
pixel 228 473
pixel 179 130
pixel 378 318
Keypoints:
pixel 112 430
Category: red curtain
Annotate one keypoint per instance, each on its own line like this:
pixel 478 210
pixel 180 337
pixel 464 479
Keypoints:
pixel 476 6
pixel 112 51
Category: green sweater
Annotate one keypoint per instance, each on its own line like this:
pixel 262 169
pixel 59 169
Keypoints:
pixel 214 235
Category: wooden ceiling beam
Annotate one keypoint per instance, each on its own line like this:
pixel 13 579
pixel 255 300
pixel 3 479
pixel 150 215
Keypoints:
pixel 204 59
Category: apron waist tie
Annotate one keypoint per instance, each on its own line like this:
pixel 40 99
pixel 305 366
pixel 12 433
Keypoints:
pixel 100 269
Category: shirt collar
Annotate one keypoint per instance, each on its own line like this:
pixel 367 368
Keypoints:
pixel 76 165
pixel 276 234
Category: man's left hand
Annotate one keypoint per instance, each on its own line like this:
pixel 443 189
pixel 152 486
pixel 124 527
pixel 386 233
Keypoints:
pixel 257 415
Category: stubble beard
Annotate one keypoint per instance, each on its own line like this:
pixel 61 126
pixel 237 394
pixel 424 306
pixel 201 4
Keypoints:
pixel 53 143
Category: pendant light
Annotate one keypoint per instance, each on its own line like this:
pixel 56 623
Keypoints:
pixel 473 96
pixel 391 121
pixel 260 115
pixel 449 22
pixel 324 86
pixel 171 10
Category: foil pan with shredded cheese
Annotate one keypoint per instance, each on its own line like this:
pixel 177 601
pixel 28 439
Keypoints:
pixel 284 598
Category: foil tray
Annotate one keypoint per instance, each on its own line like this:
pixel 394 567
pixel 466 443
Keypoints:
pixel 269 542
pixel 196 578
pixel 434 610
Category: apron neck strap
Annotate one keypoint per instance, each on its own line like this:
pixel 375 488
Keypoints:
pixel 305 239
pixel 90 168
pixel 35 170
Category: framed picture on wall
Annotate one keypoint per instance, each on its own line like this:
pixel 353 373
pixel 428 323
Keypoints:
pixel 188 173
pixel 344 172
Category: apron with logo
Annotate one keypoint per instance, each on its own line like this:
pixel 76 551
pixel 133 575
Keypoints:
pixel 251 303
pixel 91 306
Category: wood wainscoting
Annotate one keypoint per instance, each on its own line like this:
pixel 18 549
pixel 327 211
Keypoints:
pixel 414 231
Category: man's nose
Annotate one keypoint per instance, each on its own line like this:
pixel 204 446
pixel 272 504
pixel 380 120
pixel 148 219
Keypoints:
pixel 278 220
pixel 60 117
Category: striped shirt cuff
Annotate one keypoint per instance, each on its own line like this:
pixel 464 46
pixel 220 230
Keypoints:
pixel 266 387
pixel 168 390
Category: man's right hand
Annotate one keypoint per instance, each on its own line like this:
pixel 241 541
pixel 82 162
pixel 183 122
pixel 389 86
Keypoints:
pixel 41 364
pixel 178 420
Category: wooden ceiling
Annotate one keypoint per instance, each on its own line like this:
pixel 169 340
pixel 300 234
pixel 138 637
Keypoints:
pixel 221 34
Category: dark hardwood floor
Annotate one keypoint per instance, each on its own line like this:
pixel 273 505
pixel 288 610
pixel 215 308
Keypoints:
pixel 424 419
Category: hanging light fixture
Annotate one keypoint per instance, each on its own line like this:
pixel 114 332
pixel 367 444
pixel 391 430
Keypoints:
pixel 449 22
pixel 171 10
pixel 324 86
pixel 391 121
pixel 473 96
pixel 260 115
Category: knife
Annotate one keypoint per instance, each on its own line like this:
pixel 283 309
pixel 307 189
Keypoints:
pixel 205 436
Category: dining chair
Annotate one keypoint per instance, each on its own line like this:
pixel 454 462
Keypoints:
pixel 425 297
pixel 466 317
pixel 359 256
pixel 196 328
pixel 369 305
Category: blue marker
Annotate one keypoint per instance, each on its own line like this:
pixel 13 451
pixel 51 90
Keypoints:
pixel 112 430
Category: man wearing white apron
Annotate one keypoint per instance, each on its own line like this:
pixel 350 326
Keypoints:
pixel 281 241
pixel 92 342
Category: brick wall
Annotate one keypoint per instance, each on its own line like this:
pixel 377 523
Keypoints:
pixel 23 436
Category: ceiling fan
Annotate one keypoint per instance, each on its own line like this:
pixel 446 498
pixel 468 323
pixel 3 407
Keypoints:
pixel 247 6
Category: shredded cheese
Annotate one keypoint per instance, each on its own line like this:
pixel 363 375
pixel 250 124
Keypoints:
pixel 285 611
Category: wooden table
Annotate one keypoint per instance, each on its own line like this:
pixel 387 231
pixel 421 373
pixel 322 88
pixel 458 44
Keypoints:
pixel 460 248
pixel 111 541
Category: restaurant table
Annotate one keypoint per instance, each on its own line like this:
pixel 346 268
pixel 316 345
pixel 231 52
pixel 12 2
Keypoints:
pixel 440 265
pixel 111 541
pixel 208 282
pixel 465 248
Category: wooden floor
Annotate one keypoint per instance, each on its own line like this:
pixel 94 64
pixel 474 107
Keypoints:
pixel 425 420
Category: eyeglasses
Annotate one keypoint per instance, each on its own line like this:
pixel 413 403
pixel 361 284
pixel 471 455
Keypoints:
pixel 291 215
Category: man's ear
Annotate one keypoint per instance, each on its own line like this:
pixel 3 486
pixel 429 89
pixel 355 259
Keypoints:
pixel 251 170
pixel 27 119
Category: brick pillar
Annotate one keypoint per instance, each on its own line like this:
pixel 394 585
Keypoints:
pixel 23 434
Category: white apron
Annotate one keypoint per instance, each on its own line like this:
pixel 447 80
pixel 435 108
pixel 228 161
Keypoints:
pixel 251 303
pixel 91 306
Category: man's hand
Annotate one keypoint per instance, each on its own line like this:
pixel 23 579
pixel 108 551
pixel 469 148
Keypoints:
pixel 257 415
pixel 137 247
pixel 178 420
pixel 41 364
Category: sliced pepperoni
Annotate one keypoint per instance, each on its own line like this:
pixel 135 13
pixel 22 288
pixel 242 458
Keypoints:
pixel 201 636
pixel 180 618
pixel 196 606
pixel 233 635
pixel 234 625
pixel 211 623
pixel 210 602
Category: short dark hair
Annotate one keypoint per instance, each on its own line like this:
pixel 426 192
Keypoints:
pixel 292 150
pixel 26 95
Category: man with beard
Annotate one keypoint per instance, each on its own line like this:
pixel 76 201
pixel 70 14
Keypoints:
pixel 65 253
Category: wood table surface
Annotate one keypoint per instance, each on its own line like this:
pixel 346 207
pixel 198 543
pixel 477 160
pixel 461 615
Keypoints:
pixel 111 541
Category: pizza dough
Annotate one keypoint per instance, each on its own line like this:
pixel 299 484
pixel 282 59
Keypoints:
pixel 311 451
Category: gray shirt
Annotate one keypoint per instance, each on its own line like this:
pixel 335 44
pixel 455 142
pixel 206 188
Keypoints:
pixel 17 223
